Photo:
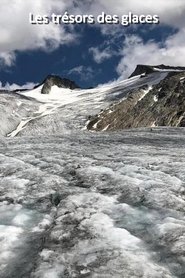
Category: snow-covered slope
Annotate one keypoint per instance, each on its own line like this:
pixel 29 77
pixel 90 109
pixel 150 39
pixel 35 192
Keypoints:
pixel 75 203
pixel 70 107
pixel 162 104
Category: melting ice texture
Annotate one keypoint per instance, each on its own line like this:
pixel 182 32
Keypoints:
pixel 80 204
pixel 20 228
pixel 121 208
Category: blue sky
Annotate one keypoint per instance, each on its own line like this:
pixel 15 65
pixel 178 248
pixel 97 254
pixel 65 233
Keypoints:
pixel 88 54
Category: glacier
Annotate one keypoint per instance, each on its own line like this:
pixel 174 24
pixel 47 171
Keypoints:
pixel 76 203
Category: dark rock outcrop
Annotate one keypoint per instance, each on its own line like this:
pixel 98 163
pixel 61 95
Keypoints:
pixel 142 69
pixel 52 80
pixel 145 69
pixel 162 105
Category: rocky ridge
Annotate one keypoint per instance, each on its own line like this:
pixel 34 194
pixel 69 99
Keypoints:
pixel 160 105
pixel 52 80
pixel 146 69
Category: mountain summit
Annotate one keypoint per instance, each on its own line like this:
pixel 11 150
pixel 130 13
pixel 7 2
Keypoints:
pixel 54 80
pixel 146 69
pixel 158 101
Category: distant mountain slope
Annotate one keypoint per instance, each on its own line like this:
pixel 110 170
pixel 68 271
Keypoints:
pixel 52 80
pixel 60 109
pixel 154 97
pixel 162 104
pixel 146 69
pixel 14 108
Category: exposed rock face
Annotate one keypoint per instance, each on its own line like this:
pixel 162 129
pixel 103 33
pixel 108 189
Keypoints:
pixel 145 69
pixel 142 69
pixel 161 105
pixel 52 80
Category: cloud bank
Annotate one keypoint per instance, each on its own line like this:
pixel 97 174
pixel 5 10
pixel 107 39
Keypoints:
pixel 12 87
pixel 135 51
pixel 18 35
pixel 85 73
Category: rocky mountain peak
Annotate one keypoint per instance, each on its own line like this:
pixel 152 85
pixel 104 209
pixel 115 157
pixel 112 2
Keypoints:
pixel 161 104
pixel 147 69
pixel 52 80
pixel 142 69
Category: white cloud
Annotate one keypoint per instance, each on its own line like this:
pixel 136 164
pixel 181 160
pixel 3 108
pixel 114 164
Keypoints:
pixel 85 73
pixel 18 34
pixel 135 51
pixel 101 55
pixel 76 70
pixel 7 58
pixel 11 87
pixel 171 12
